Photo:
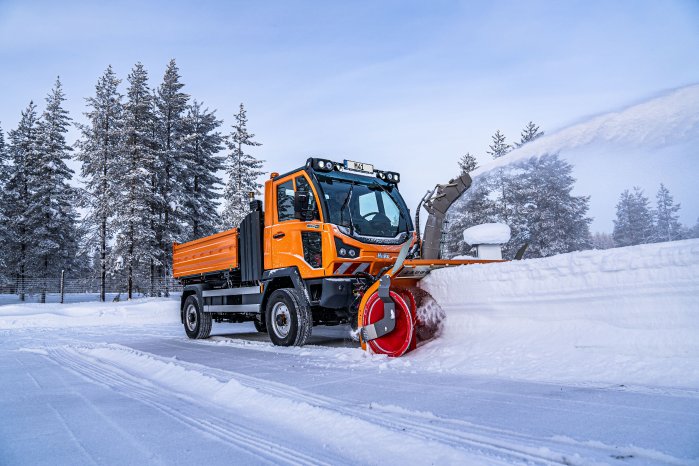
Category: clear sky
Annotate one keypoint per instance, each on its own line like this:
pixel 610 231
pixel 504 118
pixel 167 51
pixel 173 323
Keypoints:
pixel 408 86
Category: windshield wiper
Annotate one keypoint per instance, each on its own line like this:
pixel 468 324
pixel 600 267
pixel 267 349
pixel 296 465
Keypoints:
pixel 342 210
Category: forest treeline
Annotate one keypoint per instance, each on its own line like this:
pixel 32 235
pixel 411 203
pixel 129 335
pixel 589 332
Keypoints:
pixel 149 162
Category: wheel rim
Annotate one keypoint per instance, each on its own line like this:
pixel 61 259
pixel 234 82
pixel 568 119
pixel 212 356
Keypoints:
pixel 191 317
pixel 281 320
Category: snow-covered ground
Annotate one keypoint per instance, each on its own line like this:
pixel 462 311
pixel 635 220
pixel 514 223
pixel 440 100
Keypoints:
pixel 586 358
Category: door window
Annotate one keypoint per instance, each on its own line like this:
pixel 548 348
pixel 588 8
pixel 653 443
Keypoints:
pixel 285 201
pixel 302 185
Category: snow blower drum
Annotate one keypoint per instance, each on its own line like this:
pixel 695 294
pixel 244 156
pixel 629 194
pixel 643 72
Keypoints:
pixel 395 320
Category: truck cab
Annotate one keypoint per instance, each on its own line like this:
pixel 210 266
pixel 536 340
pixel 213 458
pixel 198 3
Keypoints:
pixel 327 232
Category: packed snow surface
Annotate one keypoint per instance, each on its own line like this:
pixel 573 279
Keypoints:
pixel 487 233
pixel 584 358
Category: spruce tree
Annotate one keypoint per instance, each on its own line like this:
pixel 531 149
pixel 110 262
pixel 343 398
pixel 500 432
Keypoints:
pixel 243 170
pixel 170 105
pixel 100 151
pixel 667 225
pixel 602 241
pixel 4 221
pixel 52 216
pixel 529 133
pixel 200 198
pixel 499 147
pixel 23 146
pixel 556 221
pixel 634 221
pixel 135 247
pixel 467 163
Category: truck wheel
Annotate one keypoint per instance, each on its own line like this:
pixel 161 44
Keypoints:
pixel 197 323
pixel 260 324
pixel 288 318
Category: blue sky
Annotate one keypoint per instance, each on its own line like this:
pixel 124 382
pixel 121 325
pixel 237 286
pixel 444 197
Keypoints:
pixel 408 86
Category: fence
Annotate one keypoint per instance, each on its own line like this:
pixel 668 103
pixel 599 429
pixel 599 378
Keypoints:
pixel 81 289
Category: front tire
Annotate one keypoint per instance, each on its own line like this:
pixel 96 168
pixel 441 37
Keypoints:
pixel 197 323
pixel 288 318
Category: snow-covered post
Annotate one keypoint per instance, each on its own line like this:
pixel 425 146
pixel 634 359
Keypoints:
pixel 63 281
pixel 488 239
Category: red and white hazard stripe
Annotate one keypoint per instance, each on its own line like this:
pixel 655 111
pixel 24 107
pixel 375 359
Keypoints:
pixel 350 268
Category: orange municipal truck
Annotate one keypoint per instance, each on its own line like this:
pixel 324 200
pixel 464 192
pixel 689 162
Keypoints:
pixel 335 244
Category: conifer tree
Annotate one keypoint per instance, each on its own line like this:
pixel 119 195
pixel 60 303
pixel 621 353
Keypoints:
pixel 4 221
pixel 100 151
pixel 171 105
pixel 135 247
pixel 467 163
pixel 556 221
pixel 23 146
pixel 52 216
pixel 499 147
pixel 634 221
pixel 602 241
pixel 199 200
pixel 243 170
pixel 529 133
pixel 667 225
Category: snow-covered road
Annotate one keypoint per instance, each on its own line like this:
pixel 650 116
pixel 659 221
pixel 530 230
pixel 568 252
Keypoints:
pixel 146 394
pixel 583 358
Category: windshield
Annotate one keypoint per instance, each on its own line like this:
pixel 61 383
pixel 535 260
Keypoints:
pixel 363 206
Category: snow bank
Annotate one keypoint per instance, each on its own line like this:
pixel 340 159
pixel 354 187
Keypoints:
pixel 621 316
pixel 54 315
pixel 487 233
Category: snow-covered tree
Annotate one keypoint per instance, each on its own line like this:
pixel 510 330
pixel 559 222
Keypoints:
pixel 467 163
pixel 16 196
pixel 52 216
pixel 100 150
pixel 693 232
pixel 634 220
pixel 529 133
pixel 243 170
pixel 602 241
pixel 556 220
pixel 499 147
pixel 539 208
pixel 200 198
pixel 667 224
pixel 170 113
pixel 4 221
pixel 135 246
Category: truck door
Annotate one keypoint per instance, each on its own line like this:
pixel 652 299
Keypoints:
pixel 297 242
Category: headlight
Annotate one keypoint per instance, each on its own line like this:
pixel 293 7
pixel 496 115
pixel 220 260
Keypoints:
pixel 352 253
pixel 343 251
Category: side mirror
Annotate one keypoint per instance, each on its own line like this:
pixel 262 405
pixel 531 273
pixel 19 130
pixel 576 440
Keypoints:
pixel 301 204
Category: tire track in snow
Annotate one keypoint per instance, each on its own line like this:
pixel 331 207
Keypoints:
pixel 494 444
pixel 188 414
pixel 455 432
pixel 100 369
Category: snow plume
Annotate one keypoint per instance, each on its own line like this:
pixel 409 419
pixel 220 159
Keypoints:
pixel 653 123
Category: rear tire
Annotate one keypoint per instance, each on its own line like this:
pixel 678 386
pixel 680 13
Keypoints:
pixel 260 324
pixel 197 323
pixel 288 318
